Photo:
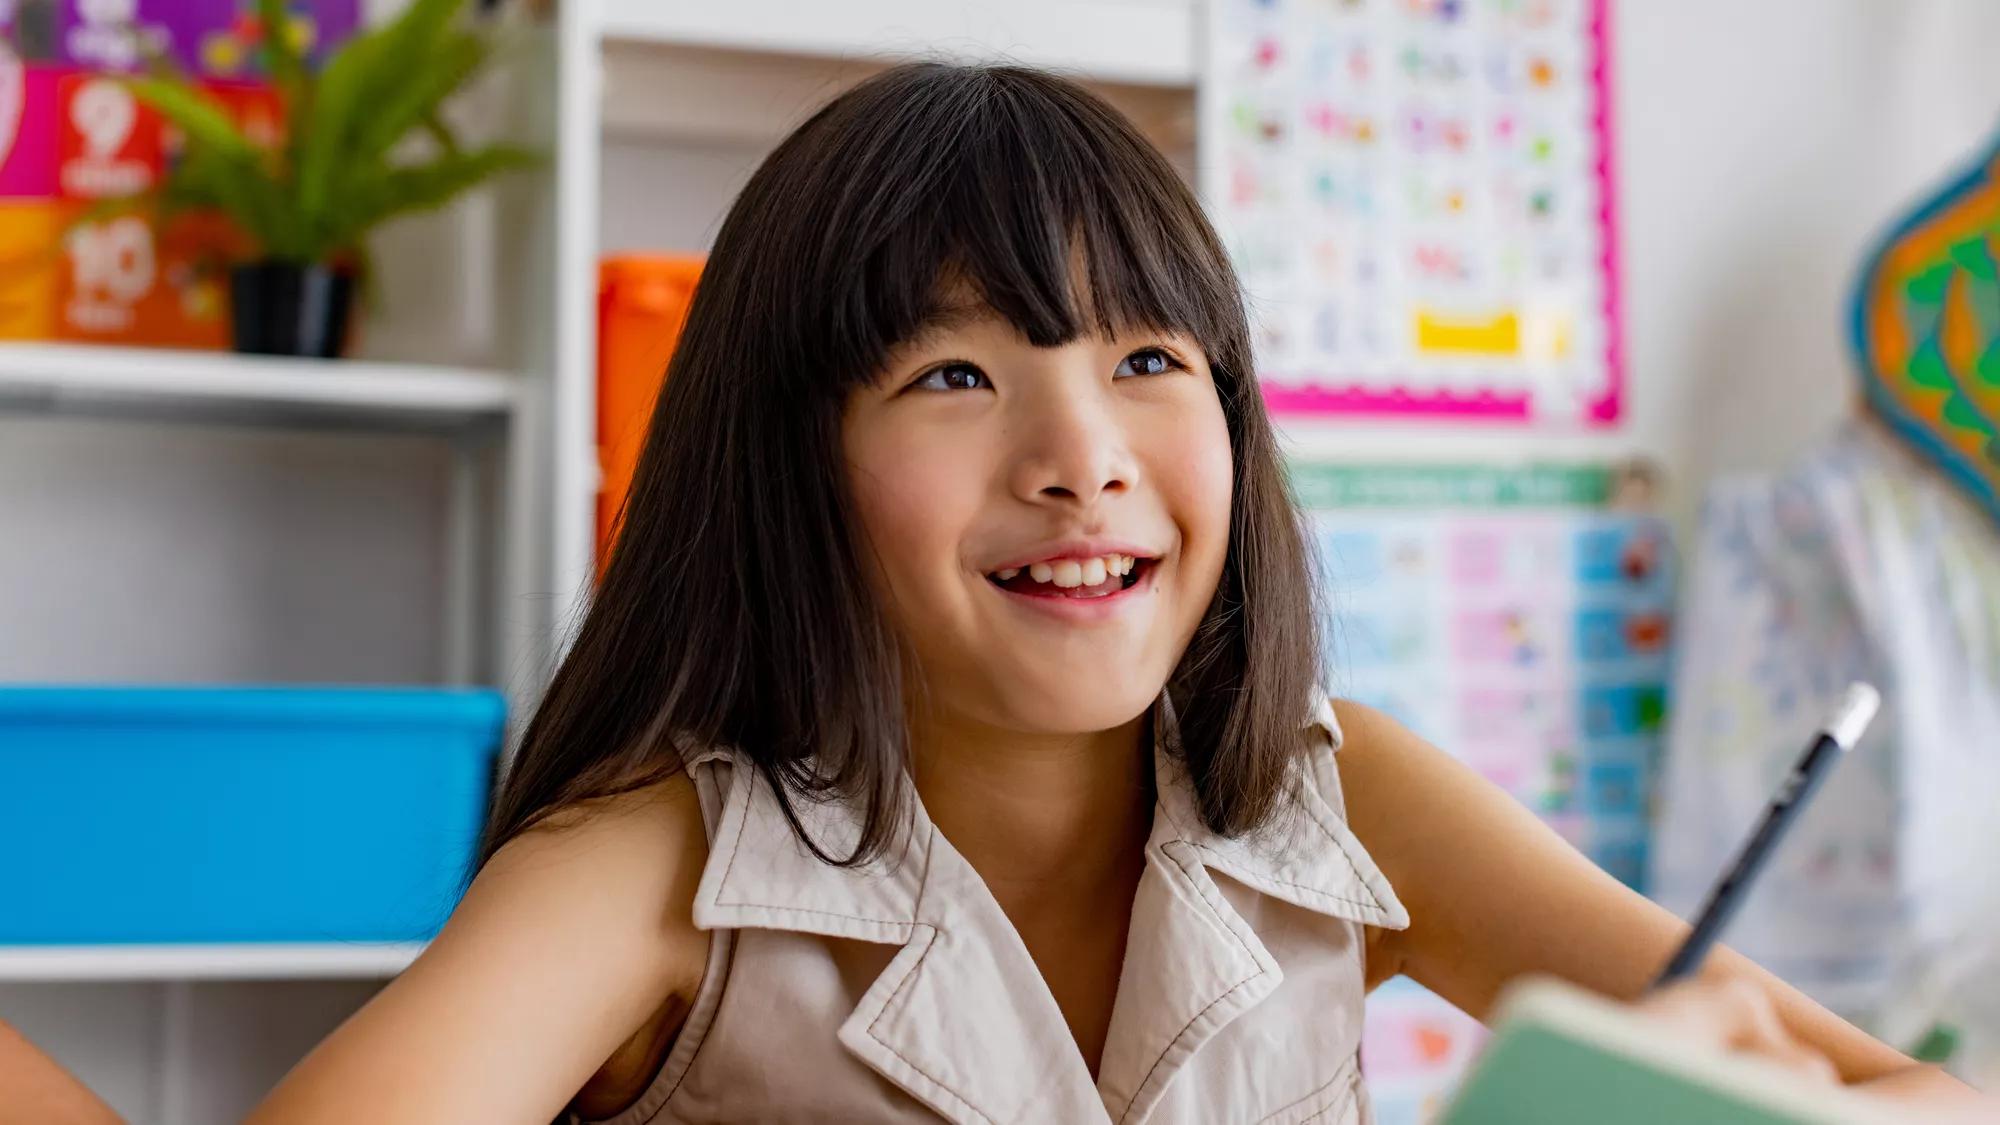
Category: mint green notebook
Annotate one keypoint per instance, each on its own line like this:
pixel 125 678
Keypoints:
pixel 1561 1056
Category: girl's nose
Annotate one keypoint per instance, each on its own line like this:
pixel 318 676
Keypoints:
pixel 1073 452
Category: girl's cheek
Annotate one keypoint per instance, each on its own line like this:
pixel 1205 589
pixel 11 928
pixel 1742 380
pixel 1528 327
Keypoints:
pixel 1201 472
pixel 906 496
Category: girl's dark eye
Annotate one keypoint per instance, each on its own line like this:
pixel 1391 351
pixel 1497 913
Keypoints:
pixel 1147 361
pixel 953 377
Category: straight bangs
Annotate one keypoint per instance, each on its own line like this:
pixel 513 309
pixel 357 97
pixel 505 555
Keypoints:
pixel 1009 187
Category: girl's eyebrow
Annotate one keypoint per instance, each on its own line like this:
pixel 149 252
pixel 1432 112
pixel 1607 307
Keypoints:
pixel 944 318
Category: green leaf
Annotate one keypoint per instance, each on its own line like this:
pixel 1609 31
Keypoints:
pixel 454 60
pixel 423 187
pixel 358 81
pixel 202 117
pixel 336 99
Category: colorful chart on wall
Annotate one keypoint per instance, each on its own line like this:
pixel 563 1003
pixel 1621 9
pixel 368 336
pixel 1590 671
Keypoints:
pixel 1509 617
pixel 1418 195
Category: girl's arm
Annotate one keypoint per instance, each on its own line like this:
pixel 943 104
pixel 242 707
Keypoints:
pixel 569 939
pixel 1494 894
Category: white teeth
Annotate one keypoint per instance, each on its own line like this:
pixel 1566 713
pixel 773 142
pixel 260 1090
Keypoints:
pixel 1071 573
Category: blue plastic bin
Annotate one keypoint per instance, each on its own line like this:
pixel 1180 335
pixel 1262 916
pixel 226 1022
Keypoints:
pixel 171 815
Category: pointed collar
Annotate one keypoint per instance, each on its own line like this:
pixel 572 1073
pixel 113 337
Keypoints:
pixel 1307 855
pixel 760 875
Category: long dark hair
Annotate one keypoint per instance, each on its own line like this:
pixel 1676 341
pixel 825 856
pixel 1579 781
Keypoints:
pixel 735 611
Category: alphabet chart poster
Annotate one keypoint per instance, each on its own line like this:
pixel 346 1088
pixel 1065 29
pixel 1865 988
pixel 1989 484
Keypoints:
pixel 1418 196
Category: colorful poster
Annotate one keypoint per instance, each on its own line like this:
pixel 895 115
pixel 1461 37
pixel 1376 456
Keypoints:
pixel 1418 195
pixel 1511 618
pixel 1414 1047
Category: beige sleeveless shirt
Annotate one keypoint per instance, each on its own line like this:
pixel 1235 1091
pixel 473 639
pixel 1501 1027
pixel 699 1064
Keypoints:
pixel 900 992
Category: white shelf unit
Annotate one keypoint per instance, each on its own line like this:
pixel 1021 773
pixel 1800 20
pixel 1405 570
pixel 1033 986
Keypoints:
pixel 102 963
pixel 478 412
pixel 197 1004
pixel 221 386
pixel 189 1033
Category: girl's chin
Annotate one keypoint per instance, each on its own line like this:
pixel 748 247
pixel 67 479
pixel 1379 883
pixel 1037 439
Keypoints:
pixel 1090 701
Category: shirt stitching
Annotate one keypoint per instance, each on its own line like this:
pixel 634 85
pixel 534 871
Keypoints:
pixel 750 780
pixel 1196 1018
pixel 776 909
pixel 712 1010
pixel 1329 1099
pixel 933 1079
pixel 1370 902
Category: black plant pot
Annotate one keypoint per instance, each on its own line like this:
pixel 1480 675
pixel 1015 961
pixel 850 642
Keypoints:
pixel 284 308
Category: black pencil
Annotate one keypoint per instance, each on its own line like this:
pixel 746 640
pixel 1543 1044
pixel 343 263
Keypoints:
pixel 1857 709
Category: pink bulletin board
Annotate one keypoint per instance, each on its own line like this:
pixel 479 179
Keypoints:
pixel 1419 197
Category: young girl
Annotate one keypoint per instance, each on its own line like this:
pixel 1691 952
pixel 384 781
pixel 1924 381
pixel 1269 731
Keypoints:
pixel 943 741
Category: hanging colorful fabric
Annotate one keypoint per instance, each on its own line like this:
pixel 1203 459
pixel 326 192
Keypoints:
pixel 1926 328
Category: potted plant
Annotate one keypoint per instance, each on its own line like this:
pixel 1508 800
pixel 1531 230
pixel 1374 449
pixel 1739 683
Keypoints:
pixel 338 168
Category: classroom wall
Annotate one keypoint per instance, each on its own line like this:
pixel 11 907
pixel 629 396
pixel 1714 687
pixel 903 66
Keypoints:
pixel 1762 146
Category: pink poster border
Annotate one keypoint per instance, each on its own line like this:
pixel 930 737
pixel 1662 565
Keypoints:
pixel 1605 412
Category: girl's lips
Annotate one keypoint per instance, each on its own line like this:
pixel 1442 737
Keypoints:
pixel 1073 550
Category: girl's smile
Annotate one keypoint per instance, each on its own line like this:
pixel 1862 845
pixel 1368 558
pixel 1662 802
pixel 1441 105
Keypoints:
pixel 1078 583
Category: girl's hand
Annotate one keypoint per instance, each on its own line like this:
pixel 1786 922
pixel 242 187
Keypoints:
pixel 1735 1015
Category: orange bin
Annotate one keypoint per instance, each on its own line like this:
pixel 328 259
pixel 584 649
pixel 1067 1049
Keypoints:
pixel 642 301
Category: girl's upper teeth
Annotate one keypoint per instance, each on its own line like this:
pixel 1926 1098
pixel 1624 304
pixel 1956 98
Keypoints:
pixel 1071 573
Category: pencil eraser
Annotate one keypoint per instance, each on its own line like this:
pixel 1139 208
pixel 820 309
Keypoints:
pixel 1857 709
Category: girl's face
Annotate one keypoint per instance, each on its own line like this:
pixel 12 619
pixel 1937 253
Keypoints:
pixel 1047 525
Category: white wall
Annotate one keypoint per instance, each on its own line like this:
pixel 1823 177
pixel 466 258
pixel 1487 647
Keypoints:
pixel 1762 147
